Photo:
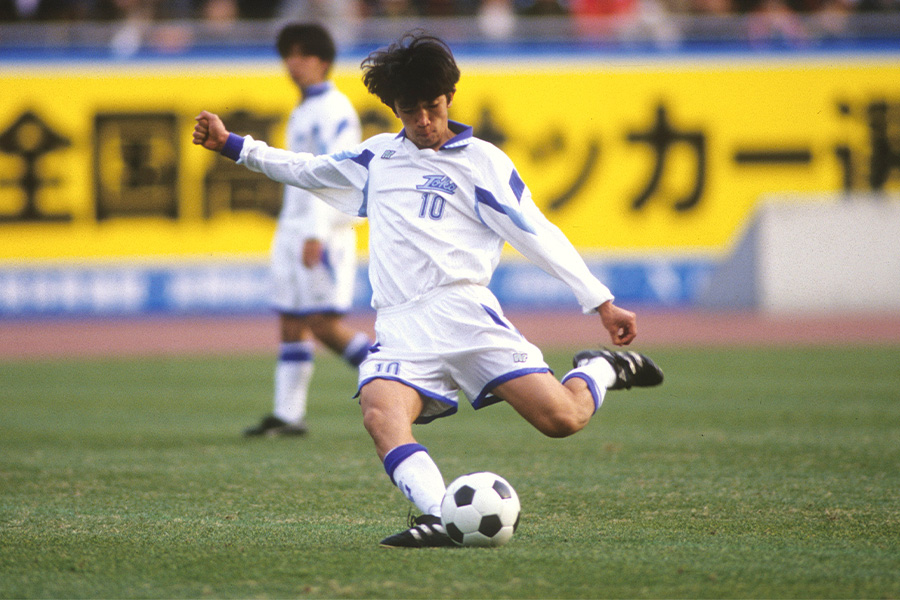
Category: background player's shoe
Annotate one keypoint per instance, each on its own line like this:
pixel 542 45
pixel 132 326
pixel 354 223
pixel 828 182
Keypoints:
pixel 425 531
pixel 272 426
pixel 632 369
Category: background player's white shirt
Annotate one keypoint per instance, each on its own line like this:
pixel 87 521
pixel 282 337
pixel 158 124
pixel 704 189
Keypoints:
pixel 436 218
pixel 325 122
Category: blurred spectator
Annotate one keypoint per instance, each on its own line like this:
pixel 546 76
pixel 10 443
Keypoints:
pixel 774 20
pixel 651 21
pixel 257 9
pixel 44 10
pixel 595 19
pixel 440 8
pixel 711 7
pixel 585 10
pixel 220 14
pixel 832 17
pixel 391 8
pixel 397 8
pixel 421 8
pixel 496 19
pixel 878 5
pixel 543 8
pixel 320 10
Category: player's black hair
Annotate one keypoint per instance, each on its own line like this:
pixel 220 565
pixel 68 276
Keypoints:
pixel 312 39
pixel 419 67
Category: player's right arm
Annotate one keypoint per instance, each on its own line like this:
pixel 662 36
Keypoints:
pixel 337 179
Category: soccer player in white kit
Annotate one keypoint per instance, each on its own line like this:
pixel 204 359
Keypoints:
pixel 441 203
pixel 313 261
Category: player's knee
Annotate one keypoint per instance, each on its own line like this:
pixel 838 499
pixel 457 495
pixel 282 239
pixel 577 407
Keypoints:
pixel 374 419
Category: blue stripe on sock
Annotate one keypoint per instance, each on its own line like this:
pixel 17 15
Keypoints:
pixel 396 456
pixel 592 386
pixel 296 352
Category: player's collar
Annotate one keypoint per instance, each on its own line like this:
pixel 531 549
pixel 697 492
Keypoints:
pixel 316 90
pixel 462 138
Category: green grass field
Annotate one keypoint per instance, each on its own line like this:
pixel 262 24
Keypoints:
pixel 750 474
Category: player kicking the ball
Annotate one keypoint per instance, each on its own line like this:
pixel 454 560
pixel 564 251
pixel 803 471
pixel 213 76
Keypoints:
pixel 441 203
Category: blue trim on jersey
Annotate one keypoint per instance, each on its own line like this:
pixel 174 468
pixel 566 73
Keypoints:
pixel 397 455
pixel 485 197
pixel 363 158
pixel 318 140
pixel 233 146
pixel 517 185
pixel 462 138
pixel 326 263
pixel 341 127
pixel 486 398
pixel 592 385
pixel 494 316
pixel 317 90
pixel 364 207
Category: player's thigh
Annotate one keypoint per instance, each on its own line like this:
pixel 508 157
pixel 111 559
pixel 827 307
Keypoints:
pixel 294 328
pixel 545 403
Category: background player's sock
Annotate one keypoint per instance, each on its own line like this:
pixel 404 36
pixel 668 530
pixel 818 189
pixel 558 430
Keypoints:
pixel 357 350
pixel 293 373
pixel 411 469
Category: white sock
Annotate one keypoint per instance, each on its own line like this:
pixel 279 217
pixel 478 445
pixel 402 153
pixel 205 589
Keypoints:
pixel 598 374
pixel 293 373
pixel 412 470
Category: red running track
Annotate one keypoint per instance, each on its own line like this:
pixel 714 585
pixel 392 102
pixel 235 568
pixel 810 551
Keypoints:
pixel 232 335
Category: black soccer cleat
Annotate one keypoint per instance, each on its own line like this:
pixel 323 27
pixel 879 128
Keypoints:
pixel 425 531
pixel 272 426
pixel 632 369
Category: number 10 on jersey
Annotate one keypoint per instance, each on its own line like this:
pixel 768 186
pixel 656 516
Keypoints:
pixel 432 206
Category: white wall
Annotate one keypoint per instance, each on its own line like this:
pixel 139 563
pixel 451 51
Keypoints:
pixel 840 256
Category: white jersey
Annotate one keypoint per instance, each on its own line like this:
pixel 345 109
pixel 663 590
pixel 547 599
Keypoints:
pixel 436 218
pixel 325 122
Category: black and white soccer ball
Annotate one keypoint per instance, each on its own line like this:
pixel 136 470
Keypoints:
pixel 480 509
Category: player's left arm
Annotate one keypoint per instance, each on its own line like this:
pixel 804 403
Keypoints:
pixel 506 206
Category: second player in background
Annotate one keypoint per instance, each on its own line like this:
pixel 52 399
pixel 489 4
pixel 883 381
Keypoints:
pixel 314 249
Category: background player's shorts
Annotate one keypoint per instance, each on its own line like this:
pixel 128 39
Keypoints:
pixel 454 338
pixel 327 287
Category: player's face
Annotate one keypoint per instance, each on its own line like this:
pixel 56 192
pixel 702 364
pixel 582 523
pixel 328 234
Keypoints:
pixel 305 69
pixel 426 123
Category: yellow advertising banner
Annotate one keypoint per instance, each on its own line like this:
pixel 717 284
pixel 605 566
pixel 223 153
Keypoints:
pixel 626 157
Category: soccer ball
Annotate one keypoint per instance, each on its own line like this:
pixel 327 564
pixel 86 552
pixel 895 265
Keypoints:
pixel 480 509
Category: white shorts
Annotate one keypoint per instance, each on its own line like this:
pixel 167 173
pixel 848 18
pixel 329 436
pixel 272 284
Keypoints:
pixel 327 287
pixel 453 339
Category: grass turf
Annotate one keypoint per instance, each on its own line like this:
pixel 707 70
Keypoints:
pixel 750 473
